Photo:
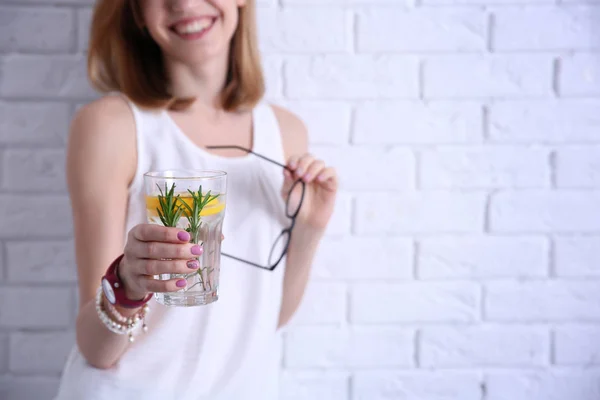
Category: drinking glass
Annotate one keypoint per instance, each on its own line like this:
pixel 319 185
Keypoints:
pixel 193 200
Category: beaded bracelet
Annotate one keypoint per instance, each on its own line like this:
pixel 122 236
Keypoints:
pixel 123 325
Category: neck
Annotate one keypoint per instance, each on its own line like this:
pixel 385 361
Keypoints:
pixel 202 81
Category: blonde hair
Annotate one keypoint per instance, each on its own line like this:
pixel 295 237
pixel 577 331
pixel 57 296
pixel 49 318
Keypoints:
pixel 123 57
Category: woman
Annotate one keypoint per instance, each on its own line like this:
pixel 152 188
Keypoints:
pixel 180 76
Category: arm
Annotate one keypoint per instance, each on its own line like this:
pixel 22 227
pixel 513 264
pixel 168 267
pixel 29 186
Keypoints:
pixel 301 252
pixel 101 162
pixel 314 215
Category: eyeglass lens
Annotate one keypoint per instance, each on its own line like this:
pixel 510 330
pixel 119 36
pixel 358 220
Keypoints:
pixel 294 199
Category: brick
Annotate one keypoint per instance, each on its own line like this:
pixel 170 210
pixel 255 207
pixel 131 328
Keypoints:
pixel 36 29
pixel 351 77
pixel 33 123
pixel 421 30
pixel 359 347
pixel 323 303
pixel 23 307
pixel 27 387
pixel 484 167
pixel 578 167
pixel 482 257
pixel 579 75
pixel 339 225
pixel 551 385
pixel 34 215
pixel 542 301
pixel 24 264
pixel 3 353
pixel 314 385
pixel 482 346
pixel 577 346
pixel 285 31
pixel 361 168
pixel 353 258
pixel 473 76
pixel 545 121
pixel 34 171
pixel 272 70
pixel 545 211
pixel 415 385
pixel 36 352
pixel 429 302
pixel 485 2
pixel 438 122
pixel 326 122
pixel 3 266
pixel 48 76
pixel 564 28
pixel 423 212
pixel 577 256
pixel 344 2
pixel 84 20
pixel 54 2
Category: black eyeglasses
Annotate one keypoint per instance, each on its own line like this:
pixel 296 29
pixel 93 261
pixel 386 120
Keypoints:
pixel 292 208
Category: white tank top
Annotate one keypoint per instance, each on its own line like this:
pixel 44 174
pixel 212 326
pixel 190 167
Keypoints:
pixel 226 350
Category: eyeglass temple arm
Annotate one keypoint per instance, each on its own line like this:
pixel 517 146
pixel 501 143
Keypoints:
pixel 248 262
pixel 251 152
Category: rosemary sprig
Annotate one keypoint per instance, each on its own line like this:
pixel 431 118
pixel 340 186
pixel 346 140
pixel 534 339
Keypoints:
pixel 195 222
pixel 193 212
pixel 169 212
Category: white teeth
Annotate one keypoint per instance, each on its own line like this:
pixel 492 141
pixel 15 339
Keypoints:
pixel 194 27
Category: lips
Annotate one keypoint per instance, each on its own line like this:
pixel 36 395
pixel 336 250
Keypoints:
pixel 195 26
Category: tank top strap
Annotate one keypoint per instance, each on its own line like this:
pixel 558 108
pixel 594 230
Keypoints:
pixel 267 133
pixel 141 119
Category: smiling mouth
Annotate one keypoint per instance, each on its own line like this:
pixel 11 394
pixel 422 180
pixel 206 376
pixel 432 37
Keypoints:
pixel 193 28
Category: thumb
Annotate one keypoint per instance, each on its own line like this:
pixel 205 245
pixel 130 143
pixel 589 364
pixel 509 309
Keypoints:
pixel 288 181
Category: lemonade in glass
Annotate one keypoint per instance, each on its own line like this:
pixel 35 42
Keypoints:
pixel 193 200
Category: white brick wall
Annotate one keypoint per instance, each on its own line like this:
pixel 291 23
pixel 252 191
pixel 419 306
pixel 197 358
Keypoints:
pixel 463 258
pixel 483 346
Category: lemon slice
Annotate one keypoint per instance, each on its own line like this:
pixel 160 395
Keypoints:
pixel 213 207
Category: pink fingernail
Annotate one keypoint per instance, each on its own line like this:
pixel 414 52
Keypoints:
pixel 299 172
pixel 181 283
pixel 320 178
pixel 307 177
pixel 193 264
pixel 197 250
pixel 293 164
pixel 183 235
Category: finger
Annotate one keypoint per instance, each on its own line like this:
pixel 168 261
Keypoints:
pixel 288 179
pixel 157 233
pixel 293 161
pixel 313 170
pixel 328 178
pixel 152 285
pixel 303 164
pixel 154 267
pixel 160 250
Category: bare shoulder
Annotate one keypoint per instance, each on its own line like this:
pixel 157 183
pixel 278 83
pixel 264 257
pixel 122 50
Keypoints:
pixel 102 134
pixel 106 112
pixel 293 131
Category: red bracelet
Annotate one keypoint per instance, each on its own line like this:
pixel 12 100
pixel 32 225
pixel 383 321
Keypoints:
pixel 114 290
